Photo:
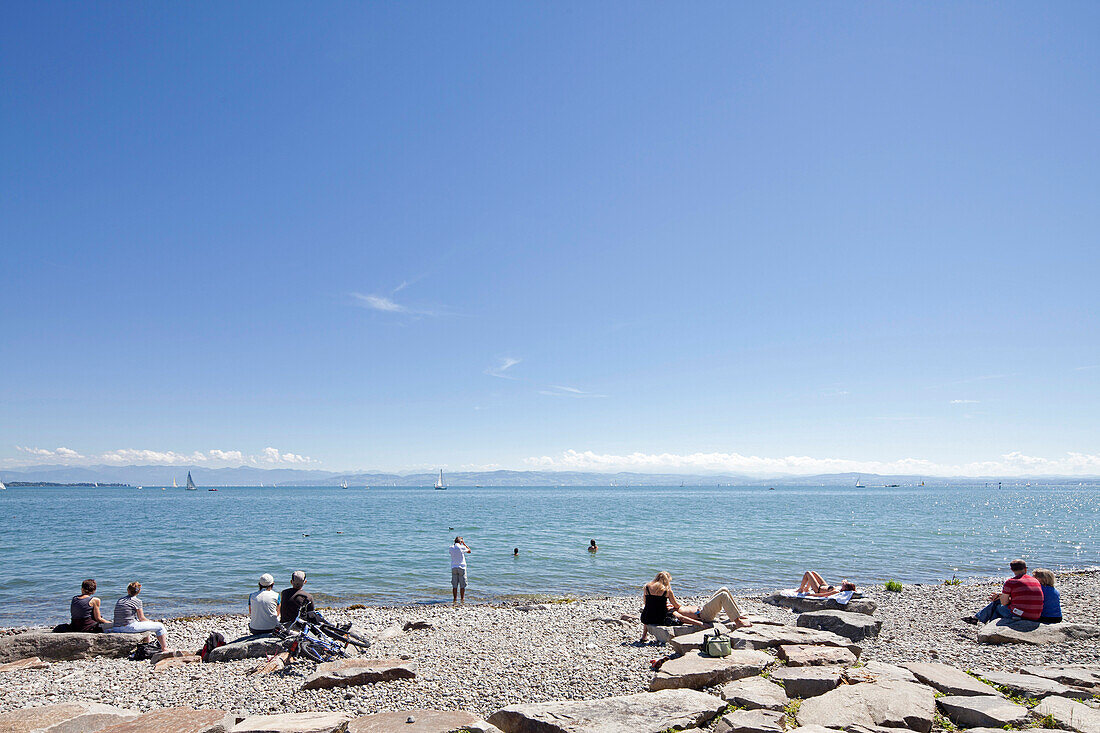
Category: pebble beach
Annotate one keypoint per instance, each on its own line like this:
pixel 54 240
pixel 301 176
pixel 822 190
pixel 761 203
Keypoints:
pixel 483 657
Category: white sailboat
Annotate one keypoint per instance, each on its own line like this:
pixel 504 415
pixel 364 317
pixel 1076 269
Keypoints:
pixel 2 487
pixel 344 485
pixel 174 484
pixel 190 483
pixel 439 485
pixel 859 484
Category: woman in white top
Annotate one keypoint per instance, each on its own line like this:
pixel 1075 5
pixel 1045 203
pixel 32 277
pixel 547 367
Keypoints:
pixel 130 618
pixel 263 607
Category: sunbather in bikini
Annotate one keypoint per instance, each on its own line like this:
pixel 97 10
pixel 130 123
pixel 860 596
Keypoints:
pixel 814 585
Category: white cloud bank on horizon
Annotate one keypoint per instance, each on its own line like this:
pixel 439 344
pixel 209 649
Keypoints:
pixel 1009 464
pixel 270 457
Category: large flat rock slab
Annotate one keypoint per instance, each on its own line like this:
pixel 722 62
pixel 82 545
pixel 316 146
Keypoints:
pixel 352 672
pixel 424 721
pixel 646 712
pixel 66 717
pixel 874 671
pixel 66 647
pixel 176 720
pixel 27 663
pixel 666 634
pixel 803 655
pixel 803 605
pixel 1070 714
pixel 1018 631
pixel 1079 676
pixel 948 680
pixel 971 711
pixel 1031 686
pixel 854 626
pixel 695 670
pixel 755 693
pixel 762 637
pixel 806 682
pixel 264 646
pixel 890 704
pixel 751 721
pixel 323 722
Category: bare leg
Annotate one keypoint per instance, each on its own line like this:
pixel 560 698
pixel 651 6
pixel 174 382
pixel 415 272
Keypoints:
pixel 454 592
pixel 689 618
pixel 463 595
pixel 811 582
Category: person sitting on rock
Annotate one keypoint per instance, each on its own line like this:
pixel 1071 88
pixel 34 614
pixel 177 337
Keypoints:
pixel 295 600
pixel 130 618
pixel 84 613
pixel 814 585
pixel 1021 597
pixel 263 607
pixel 660 607
pixel 1052 601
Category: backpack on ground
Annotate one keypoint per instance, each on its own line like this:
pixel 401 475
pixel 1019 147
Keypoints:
pixel 145 650
pixel 213 641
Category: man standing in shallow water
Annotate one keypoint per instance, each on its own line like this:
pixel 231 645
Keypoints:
pixel 458 550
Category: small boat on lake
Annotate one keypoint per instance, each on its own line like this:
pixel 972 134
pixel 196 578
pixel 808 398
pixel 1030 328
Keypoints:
pixel 439 485
pixel 190 483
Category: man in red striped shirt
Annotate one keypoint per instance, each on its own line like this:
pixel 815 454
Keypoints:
pixel 1020 598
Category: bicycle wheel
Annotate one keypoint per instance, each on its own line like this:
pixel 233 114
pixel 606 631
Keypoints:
pixel 345 636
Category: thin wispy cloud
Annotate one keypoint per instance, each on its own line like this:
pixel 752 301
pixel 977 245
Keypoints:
pixel 1009 464
pixel 834 392
pixel 383 304
pixel 500 370
pixel 1086 368
pixel 560 390
pixel 964 402
pixel 982 378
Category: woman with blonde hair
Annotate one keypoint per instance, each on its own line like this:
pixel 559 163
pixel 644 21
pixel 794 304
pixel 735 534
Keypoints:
pixel 130 618
pixel 662 609
pixel 1052 600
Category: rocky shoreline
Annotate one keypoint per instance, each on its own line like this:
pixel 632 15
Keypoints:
pixel 482 658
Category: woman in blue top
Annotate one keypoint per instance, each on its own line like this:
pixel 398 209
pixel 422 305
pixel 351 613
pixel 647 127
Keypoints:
pixel 1052 602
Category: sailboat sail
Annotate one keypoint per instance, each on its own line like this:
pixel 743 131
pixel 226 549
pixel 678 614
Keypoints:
pixel 190 483
pixel 439 482
pixel 2 487
pixel 344 485
pixel 174 484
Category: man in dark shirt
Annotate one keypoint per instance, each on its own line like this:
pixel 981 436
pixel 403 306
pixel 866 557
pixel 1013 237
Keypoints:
pixel 294 600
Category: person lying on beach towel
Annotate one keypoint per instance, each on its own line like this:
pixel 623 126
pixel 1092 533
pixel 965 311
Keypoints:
pixel 814 585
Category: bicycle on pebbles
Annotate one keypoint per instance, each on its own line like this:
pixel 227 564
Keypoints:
pixel 313 638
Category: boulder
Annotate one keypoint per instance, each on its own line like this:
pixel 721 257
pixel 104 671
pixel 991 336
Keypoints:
pixel 890 704
pixel 971 711
pixel 804 605
pixel 67 647
pixel 66 717
pixel 948 679
pixel 646 712
pixel 293 723
pixel 665 634
pixel 761 637
pixel 1070 714
pixel 807 681
pixel 1030 685
pixel 424 721
pixel 1018 631
pixel 177 720
pixel 802 655
pixel 751 721
pixel 28 663
pixel 696 670
pixel 694 642
pixel 1077 676
pixel 854 626
pixel 755 693
pixel 352 672
pixel 250 648
pixel 873 671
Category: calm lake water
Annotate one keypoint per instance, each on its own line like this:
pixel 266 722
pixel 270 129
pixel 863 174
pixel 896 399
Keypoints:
pixel 200 552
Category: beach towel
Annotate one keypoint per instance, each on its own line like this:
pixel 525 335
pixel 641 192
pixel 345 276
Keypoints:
pixel 843 597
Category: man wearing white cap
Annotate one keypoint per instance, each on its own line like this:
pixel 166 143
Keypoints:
pixel 263 607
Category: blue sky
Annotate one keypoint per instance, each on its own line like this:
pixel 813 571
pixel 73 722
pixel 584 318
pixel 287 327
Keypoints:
pixel 761 238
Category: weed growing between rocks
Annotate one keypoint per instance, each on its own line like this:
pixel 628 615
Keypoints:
pixel 940 720
pixel 791 711
pixel 953 581
pixel 893 586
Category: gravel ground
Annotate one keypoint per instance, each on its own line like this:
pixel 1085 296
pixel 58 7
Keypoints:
pixel 483 657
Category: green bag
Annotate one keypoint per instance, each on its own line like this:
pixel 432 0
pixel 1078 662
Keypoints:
pixel 718 645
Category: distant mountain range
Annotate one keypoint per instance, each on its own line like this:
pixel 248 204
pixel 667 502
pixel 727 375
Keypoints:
pixel 248 476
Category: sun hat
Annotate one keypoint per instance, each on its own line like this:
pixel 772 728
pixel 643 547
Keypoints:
pixel 266 580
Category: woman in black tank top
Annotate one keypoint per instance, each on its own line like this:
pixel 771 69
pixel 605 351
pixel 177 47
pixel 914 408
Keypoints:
pixel 660 607
pixel 84 610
